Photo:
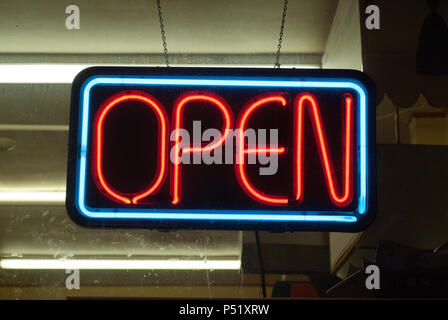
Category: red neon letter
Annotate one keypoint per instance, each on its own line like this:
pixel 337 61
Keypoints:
pixel 178 114
pixel 162 119
pixel 241 147
pixel 307 99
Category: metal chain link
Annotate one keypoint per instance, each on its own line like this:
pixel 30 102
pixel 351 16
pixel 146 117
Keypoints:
pixel 280 39
pixel 162 32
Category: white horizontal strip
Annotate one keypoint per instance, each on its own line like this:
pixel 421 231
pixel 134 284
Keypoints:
pixel 31 196
pixel 65 73
pixel 100 264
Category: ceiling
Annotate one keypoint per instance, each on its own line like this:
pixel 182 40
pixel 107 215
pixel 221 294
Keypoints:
pixel 195 26
pixel 36 122
pixel 34 117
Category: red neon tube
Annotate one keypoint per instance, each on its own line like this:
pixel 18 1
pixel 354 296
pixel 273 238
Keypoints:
pixel 338 198
pixel 242 150
pixel 100 117
pixel 178 117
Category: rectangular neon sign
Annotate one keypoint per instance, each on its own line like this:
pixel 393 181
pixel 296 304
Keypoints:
pixel 229 148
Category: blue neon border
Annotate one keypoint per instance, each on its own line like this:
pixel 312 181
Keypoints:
pixel 223 215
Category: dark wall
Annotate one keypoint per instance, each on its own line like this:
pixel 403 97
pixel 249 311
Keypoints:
pixel 412 197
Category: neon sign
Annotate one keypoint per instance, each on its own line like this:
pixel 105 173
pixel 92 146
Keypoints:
pixel 277 149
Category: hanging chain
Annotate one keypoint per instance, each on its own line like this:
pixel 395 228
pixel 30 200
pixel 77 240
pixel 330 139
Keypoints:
pixel 280 39
pixel 162 32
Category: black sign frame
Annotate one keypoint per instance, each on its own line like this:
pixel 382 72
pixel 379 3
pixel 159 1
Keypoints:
pixel 309 221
